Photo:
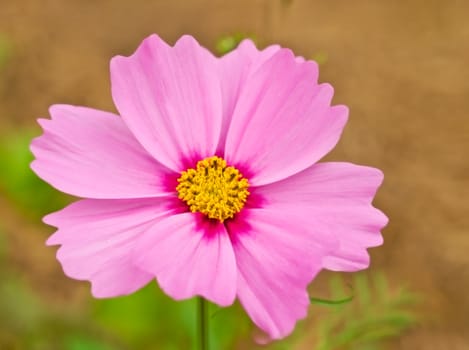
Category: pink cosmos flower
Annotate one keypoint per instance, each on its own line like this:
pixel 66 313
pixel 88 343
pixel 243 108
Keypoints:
pixel 208 181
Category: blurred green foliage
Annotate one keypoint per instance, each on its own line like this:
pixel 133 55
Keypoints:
pixel 22 187
pixel 376 314
pixel 228 43
pixel 149 319
pixel 27 322
pixel 146 320
pixel 320 57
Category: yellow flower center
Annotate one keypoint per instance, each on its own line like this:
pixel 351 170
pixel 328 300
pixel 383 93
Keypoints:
pixel 214 189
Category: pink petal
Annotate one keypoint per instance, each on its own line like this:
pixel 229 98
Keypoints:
pixel 235 67
pixel 90 153
pixel 189 256
pixel 277 255
pixel 283 121
pixel 97 237
pixel 170 98
pixel 336 196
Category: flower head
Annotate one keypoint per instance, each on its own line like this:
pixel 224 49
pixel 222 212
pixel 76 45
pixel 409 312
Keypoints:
pixel 208 181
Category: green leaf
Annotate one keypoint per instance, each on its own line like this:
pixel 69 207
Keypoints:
pixel 321 301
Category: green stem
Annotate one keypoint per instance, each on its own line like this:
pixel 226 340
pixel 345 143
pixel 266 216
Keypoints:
pixel 203 323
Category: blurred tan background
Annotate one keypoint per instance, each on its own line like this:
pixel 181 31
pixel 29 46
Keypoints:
pixel 401 67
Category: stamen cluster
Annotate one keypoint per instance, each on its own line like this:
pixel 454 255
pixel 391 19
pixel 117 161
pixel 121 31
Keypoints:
pixel 213 188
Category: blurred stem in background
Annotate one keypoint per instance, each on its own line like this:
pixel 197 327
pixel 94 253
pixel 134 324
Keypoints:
pixel 5 50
